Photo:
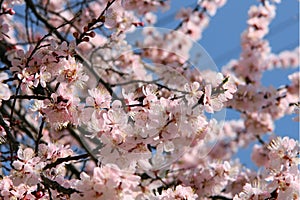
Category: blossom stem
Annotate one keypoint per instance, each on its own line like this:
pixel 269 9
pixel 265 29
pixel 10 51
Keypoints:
pixel 11 139
pixel 48 183
pixel 29 97
pixel 39 137
pixel 66 159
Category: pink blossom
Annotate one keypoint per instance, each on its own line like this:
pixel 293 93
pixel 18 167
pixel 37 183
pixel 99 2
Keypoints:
pixel 107 182
pixel 144 6
pixel 297 112
pixel 99 98
pixel 63 108
pixel 100 116
pixel 3 29
pixel 254 191
pixel 194 93
pixel 259 156
pixel 180 192
pixel 5 92
pixel 211 6
pixel 72 72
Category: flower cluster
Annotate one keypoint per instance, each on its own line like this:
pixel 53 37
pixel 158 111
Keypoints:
pixel 196 20
pixel 88 111
pixel 107 182
pixel 28 169
pixel 281 178
pixel 144 6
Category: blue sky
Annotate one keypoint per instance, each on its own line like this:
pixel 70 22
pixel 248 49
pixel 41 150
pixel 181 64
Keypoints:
pixel 222 38
pixel 222 42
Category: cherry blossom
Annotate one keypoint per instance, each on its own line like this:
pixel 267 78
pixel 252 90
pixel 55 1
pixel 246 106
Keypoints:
pixel 194 93
pixel 107 182
pixel 88 112
pixel 71 72
pixel 179 193
pixel 5 92
pixel 3 29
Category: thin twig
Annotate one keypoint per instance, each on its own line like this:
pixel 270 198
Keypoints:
pixel 48 183
pixel 66 159
pixel 39 137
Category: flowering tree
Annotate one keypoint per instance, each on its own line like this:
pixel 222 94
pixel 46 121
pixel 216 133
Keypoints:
pixel 96 103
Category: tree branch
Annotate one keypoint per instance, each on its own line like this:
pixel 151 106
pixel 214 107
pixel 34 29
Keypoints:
pixel 39 137
pixel 66 159
pixel 11 139
pixel 48 183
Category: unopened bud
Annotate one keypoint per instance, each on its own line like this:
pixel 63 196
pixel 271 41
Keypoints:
pixel 86 29
pixel 92 34
pixel 11 11
pixel 102 19
pixel 76 34
pixel 85 39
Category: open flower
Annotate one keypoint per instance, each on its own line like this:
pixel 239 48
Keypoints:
pixel 211 102
pixel 194 94
pixel 72 72
pixel 5 92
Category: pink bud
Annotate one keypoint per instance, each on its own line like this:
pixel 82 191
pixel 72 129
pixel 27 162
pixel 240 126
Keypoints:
pixel 11 11
pixel 76 34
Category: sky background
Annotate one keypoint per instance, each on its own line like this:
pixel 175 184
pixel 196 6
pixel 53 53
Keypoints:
pixel 221 40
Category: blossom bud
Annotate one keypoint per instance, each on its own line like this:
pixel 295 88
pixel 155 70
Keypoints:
pixel 102 19
pixel 11 11
pixel 76 34
pixel 86 29
pixel 85 39
pixel 91 34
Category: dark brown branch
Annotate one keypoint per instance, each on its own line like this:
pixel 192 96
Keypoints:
pixel 29 97
pixel 13 145
pixel 39 137
pixel 55 31
pixel 14 104
pixel 40 17
pixel 66 159
pixel 91 24
pixel 73 170
pixel 82 144
pixel 260 140
pixel 10 137
pixel 48 183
